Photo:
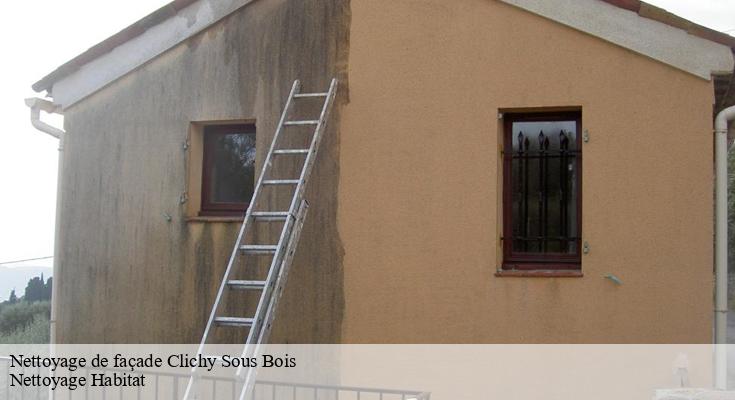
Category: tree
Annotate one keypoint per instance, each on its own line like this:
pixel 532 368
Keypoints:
pixel 49 288
pixel 37 290
pixel 13 298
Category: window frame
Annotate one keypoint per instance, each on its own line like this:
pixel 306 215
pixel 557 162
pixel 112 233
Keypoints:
pixel 209 207
pixel 524 261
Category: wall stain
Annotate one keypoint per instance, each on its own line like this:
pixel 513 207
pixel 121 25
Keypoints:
pixel 137 278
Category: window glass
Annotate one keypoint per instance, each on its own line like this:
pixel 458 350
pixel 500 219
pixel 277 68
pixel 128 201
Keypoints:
pixel 542 191
pixel 233 168
pixel 228 176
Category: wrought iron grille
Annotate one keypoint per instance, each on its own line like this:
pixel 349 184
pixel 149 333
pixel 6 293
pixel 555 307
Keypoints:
pixel 542 191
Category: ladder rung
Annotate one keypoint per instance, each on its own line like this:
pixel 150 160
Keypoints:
pixel 259 248
pixel 291 151
pixel 309 122
pixel 246 285
pixel 233 321
pixel 300 95
pixel 270 215
pixel 281 182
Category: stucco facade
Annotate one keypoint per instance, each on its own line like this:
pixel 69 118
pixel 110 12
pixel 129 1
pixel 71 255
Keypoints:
pixel 127 273
pixel 403 238
pixel 419 179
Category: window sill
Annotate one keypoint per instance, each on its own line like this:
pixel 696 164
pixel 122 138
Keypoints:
pixel 203 218
pixel 539 273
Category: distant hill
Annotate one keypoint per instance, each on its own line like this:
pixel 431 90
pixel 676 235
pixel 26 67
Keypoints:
pixel 18 277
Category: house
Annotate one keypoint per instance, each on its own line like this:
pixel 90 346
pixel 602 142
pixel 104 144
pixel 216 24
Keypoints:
pixel 494 171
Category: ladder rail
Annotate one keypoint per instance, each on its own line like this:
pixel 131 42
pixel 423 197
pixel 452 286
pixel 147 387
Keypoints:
pixel 270 280
pixel 284 270
pixel 282 253
pixel 281 279
pixel 295 200
pixel 243 230
pixel 258 333
pixel 314 147
pixel 248 213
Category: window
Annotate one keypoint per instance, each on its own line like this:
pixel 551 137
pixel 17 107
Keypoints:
pixel 542 160
pixel 228 169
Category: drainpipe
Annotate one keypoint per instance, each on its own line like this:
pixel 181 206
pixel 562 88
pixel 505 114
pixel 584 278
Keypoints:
pixel 721 122
pixel 37 105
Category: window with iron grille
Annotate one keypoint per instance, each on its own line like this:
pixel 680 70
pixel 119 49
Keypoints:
pixel 542 160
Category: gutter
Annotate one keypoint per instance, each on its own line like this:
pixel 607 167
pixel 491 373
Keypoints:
pixel 37 105
pixel 721 127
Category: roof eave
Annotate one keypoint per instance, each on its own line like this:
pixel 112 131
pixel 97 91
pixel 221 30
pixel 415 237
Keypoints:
pixel 620 22
pixel 116 57
pixel 107 45
pixel 666 37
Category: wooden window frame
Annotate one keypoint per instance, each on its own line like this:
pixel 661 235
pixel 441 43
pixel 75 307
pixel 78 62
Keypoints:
pixel 537 261
pixel 208 206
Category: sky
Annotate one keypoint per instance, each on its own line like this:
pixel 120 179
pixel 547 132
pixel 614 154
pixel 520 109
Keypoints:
pixel 43 34
pixel 40 36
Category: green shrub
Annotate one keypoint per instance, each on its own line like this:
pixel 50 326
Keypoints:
pixel 36 332
pixel 15 317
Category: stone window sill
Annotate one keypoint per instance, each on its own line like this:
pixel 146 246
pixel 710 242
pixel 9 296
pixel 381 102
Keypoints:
pixel 539 273
pixel 214 219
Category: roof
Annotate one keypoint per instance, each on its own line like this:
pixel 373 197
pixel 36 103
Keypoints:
pixel 105 46
pixel 724 85
pixel 697 56
pixel 649 11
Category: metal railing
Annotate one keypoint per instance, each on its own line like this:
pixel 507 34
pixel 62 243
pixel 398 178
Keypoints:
pixel 170 385
pixel 28 393
pixel 342 392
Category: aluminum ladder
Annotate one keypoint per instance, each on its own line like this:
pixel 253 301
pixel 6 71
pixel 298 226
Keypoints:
pixel 282 253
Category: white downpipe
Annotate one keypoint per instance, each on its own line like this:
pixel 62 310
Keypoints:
pixel 36 105
pixel 721 122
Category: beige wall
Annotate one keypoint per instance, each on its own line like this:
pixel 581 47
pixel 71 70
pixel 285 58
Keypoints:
pixel 418 181
pixel 401 242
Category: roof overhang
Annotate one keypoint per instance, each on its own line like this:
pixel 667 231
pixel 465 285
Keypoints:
pixel 133 47
pixel 664 37
pixel 622 25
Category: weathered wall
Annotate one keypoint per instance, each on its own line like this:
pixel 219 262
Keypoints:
pixel 407 181
pixel 419 180
pixel 128 274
